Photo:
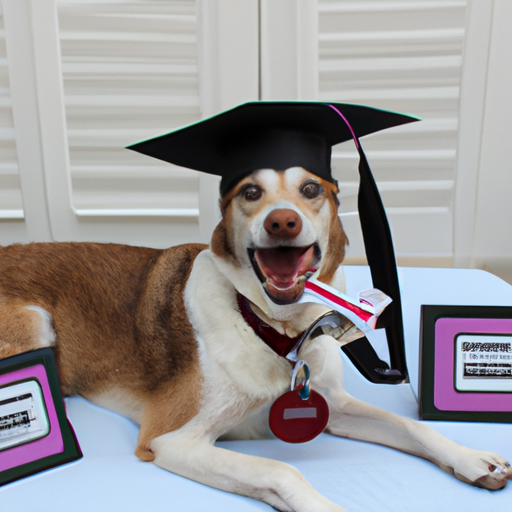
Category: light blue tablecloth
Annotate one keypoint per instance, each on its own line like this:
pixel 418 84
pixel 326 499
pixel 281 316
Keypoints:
pixel 359 476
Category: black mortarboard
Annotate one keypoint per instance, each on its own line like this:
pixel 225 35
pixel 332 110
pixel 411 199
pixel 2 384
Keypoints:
pixel 267 135
pixel 280 135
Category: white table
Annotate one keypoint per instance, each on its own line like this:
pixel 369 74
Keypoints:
pixel 359 476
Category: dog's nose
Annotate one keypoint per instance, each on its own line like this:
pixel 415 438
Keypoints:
pixel 283 223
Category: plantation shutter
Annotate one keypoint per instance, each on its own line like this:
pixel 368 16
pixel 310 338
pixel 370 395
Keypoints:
pixel 130 71
pixel 406 56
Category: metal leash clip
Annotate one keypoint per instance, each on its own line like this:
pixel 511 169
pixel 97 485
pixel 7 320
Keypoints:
pixel 332 323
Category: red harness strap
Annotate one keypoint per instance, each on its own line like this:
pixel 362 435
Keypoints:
pixel 279 343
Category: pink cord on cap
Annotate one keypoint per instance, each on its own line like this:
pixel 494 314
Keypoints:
pixel 347 123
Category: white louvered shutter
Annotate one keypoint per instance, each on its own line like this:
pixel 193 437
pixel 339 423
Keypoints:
pixel 405 56
pixel 130 71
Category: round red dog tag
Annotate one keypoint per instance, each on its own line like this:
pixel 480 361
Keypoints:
pixel 295 420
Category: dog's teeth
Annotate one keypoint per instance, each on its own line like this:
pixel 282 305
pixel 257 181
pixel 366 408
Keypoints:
pixel 283 289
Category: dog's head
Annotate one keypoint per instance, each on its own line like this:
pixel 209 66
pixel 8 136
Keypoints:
pixel 277 229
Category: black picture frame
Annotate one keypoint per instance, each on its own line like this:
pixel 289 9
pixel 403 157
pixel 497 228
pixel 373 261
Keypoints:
pixel 441 395
pixel 32 409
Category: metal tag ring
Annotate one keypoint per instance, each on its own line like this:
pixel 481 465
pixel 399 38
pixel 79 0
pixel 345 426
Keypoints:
pixel 304 391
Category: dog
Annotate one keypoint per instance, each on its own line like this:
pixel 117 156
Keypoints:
pixel 158 336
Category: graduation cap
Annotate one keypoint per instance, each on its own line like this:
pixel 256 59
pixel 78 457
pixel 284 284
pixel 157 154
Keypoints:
pixel 280 135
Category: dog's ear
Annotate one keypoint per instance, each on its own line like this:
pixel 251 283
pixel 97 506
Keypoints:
pixel 335 247
pixel 222 243
pixel 336 199
pixel 222 239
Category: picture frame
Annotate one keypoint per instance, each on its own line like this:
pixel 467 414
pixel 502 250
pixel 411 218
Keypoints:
pixel 35 433
pixel 466 363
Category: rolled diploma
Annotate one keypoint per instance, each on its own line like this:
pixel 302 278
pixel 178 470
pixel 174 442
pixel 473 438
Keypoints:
pixel 363 312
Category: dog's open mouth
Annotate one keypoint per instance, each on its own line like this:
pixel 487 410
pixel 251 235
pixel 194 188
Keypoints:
pixel 284 270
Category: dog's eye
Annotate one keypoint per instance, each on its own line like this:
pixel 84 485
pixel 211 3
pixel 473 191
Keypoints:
pixel 311 189
pixel 252 193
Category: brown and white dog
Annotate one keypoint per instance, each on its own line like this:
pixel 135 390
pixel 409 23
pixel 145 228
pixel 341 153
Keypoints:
pixel 158 336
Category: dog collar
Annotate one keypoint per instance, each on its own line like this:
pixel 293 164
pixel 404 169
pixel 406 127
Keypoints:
pixel 300 414
pixel 281 344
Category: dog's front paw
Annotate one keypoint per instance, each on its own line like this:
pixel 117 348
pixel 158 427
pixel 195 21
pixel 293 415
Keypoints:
pixel 499 474
pixel 485 469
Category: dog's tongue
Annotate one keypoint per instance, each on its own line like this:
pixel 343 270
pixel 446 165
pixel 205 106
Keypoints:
pixel 284 264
